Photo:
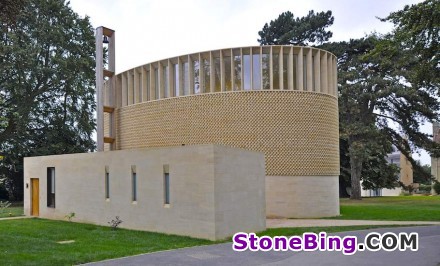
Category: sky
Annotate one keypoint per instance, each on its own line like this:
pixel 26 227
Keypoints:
pixel 147 31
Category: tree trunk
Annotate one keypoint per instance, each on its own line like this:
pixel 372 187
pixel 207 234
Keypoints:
pixel 356 169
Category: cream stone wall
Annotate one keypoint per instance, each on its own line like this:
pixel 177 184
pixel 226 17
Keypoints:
pixel 302 196
pixel 214 191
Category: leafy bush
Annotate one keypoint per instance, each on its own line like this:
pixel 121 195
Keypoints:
pixel 425 188
pixel 70 216
pixel 4 205
pixel 114 223
pixel 437 187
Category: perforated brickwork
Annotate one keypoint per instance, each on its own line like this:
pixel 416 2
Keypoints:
pixel 296 130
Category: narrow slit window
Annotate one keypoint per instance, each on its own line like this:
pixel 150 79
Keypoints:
pixel 133 183
pixel 51 187
pixel 166 182
pixel 107 183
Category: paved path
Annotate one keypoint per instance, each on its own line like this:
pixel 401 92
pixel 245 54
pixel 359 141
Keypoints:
pixel 276 223
pixel 16 217
pixel 222 254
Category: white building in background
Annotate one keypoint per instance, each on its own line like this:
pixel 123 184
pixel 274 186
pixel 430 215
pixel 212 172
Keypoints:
pixel 405 176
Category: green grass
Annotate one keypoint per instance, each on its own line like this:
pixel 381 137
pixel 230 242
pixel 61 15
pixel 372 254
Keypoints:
pixel 296 231
pixel 12 212
pixel 34 241
pixel 404 208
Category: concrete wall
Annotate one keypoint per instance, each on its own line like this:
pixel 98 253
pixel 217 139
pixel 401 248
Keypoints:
pixel 214 191
pixel 302 196
pixel 406 171
pixel 385 192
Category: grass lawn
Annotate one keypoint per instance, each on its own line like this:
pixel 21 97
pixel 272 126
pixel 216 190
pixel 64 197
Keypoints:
pixel 296 231
pixel 404 208
pixel 34 241
pixel 12 212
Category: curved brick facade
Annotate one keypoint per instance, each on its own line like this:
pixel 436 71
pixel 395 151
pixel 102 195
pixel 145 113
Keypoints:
pixel 297 131
pixel 279 100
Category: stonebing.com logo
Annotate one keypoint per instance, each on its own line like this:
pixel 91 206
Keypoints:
pixel 348 245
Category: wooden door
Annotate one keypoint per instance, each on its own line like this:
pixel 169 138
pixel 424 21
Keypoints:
pixel 35 197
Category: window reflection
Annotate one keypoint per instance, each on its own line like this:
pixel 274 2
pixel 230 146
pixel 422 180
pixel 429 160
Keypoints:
pixel 266 71
pixel 237 72
pixel 276 71
pixel 185 78
pixel 256 73
pixel 246 72
pixel 228 80
pixel 196 76
pixel 206 70
pixel 217 86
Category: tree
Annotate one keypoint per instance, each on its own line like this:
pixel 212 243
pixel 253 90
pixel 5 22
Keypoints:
pixel 387 86
pixel 46 86
pixel 307 30
pixel 411 54
pixel 366 146
pixel 387 82
pixel 416 33
pixel 425 176
pixel 10 8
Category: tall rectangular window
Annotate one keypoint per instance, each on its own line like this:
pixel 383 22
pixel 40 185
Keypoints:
pixel 295 65
pixel 147 84
pixel 276 70
pixel 207 80
pixel 166 183
pixel 247 72
pixel 176 80
pixel 285 69
pixel 196 70
pixel 166 83
pixel 185 78
pixel 139 97
pixel 228 79
pixel 133 183
pixel 305 72
pixel 256 71
pixel 51 187
pixel 217 71
pixel 107 183
pixel 265 60
pixel 156 83
pixel 237 73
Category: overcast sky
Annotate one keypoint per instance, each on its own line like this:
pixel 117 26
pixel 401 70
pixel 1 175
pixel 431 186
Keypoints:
pixel 148 31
